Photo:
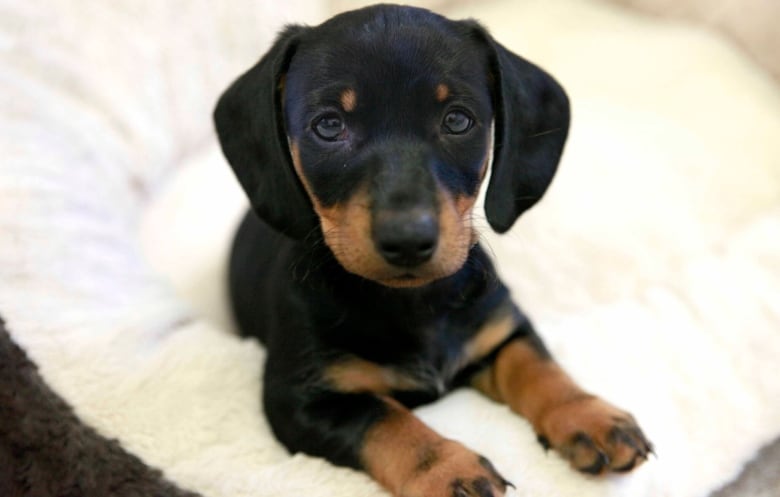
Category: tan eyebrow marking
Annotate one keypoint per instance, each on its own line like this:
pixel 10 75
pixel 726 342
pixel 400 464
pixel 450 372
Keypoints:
pixel 442 92
pixel 349 100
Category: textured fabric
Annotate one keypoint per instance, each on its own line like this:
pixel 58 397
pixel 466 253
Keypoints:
pixel 46 451
pixel 651 268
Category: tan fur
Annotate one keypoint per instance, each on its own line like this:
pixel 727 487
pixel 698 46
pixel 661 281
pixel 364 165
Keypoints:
pixel 358 375
pixel 455 231
pixel 349 100
pixel 539 390
pixel 530 384
pixel 410 459
pixel 347 231
pixel 597 418
pixel 490 336
pixel 442 92
pixel 390 446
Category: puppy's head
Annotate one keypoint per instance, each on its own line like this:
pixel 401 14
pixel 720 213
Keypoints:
pixel 375 129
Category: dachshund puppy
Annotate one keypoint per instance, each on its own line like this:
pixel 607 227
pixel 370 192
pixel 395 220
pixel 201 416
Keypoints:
pixel 362 144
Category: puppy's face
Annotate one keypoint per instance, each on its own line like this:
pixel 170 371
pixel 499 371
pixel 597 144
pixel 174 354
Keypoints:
pixel 375 126
pixel 389 132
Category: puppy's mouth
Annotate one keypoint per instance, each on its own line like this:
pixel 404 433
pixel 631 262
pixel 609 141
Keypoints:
pixel 406 280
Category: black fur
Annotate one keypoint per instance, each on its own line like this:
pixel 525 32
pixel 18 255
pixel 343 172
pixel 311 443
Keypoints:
pixel 251 132
pixel 289 290
pixel 532 122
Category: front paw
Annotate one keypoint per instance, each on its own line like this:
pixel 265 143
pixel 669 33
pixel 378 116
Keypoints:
pixel 594 436
pixel 452 470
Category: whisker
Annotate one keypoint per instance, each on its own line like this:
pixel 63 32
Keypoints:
pixel 548 132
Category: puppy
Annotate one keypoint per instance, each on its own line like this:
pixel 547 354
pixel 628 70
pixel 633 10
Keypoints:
pixel 362 144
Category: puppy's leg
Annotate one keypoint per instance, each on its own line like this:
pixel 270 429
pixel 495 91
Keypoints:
pixel 377 434
pixel 412 460
pixel 591 434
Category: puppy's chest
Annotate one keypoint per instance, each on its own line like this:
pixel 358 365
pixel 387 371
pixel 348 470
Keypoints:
pixel 414 362
pixel 433 364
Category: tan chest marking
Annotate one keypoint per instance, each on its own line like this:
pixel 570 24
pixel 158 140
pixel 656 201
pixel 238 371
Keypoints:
pixel 491 335
pixel 358 375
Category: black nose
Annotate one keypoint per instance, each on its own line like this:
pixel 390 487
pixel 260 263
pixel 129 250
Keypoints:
pixel 406 238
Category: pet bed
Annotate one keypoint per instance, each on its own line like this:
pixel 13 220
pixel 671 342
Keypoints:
pixel 652 267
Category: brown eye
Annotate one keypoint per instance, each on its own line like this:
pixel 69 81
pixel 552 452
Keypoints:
pixel 457 122
pixel 329 127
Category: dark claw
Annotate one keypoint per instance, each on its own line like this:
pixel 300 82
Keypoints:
pixel 544 441
pixel 650 450
pixel 602 461
pixel 634 438
pixel 459 489
pixel 503 483
pixel 645 446
pixel 483 487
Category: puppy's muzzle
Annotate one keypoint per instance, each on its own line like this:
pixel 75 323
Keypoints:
pixel 406 238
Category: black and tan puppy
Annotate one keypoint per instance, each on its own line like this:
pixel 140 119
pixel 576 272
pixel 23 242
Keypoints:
pixel 362 144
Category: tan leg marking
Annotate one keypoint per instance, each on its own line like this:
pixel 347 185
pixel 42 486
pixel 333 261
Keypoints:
pixel 591 434
pixel 411 460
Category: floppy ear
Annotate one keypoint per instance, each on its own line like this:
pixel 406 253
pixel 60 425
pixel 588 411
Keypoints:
pixel 531 124
pixel 250 127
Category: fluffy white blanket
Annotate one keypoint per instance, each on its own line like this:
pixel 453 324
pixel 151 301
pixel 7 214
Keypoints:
pixel 652 268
